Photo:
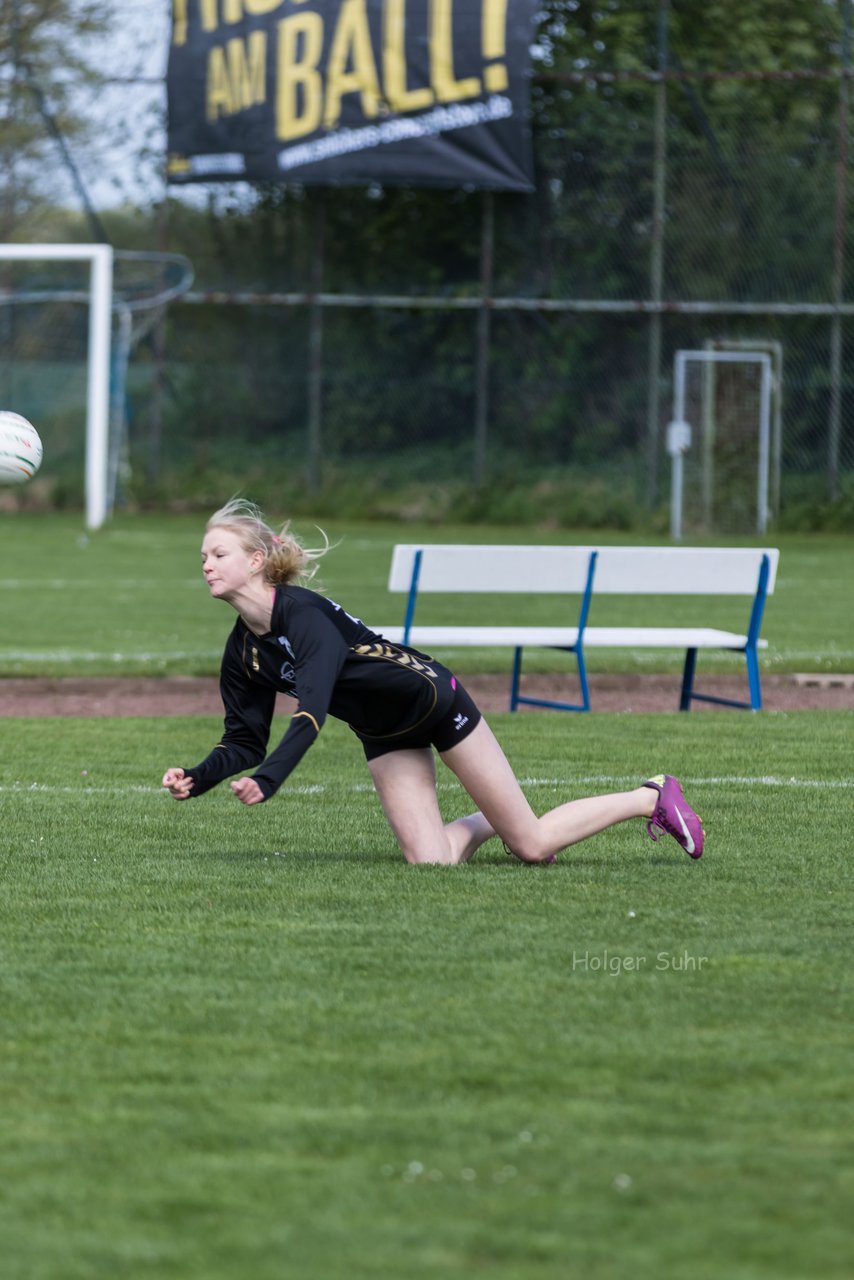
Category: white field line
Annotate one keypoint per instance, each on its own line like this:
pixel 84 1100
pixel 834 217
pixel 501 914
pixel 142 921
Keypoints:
pixel 598 780
pixel 735 780
pixel 77 584
pixel 91 655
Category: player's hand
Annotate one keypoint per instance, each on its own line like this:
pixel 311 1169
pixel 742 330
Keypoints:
pixel 247 791
pixel 177 784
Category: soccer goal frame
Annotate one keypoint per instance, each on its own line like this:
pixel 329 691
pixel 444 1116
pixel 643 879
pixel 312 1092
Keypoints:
pixel 679 431
pixel 100 259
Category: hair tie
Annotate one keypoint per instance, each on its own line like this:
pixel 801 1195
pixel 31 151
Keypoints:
pixel 277 541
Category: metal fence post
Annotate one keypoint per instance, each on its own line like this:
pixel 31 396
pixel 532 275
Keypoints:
pixel 315 347
pixel 834 424
pixel 656 263
pixel 484 318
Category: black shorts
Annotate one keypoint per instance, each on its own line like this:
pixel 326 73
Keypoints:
pixel 450 727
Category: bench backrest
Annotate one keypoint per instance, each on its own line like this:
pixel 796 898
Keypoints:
pixel 500 569
pixel 688 571
pixel 564 570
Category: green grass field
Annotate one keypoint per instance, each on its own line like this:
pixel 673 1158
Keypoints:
pixel 254 1043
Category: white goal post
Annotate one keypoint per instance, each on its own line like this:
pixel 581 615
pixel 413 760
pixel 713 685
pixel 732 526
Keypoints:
pixel 100 259
pixel 680 435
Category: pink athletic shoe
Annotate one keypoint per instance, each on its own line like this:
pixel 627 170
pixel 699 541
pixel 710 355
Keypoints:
pixel 674 815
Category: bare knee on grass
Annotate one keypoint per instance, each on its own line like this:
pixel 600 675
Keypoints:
pixel 531 851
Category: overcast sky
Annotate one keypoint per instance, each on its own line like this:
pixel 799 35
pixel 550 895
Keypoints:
pixel 124 159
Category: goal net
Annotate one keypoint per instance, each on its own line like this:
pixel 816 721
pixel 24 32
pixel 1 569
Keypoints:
pixel 722 441
pixel 70 319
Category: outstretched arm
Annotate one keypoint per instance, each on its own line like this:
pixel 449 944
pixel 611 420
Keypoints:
pixel 321 653
pixel 249 711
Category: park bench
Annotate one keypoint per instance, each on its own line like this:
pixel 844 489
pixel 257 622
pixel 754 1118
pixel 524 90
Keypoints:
pixel 586 573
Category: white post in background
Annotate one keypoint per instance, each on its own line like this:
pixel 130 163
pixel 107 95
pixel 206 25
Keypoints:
pixel 678 444
pixel 98 398
pixel 762 507
pixel 100 258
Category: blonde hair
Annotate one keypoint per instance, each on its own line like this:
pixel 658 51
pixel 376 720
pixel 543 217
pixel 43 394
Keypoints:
pixel 286 560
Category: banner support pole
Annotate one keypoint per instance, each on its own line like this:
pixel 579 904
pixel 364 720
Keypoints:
pixel 315 343
pixel 484 319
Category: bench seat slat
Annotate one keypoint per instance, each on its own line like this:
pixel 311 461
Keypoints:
pixel 566 637
pixel 664 638
pixel 485 637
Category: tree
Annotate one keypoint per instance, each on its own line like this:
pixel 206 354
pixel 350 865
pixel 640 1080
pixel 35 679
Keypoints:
pixel 43 60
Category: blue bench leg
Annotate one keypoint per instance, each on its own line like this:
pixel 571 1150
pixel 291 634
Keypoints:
pixel 582 677
pixel 688 679
pixel 753 679
pixel 516 698
pixel 514 679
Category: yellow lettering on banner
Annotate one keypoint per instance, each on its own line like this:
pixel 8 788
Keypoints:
pixel 210 15
pixel 315 73
pixel 179 22
pixel 247 65
pixel 398 96
pixel 237 75
pixel 218 96
pixel 299 49
pixel 257 7
pixel 494 28
pixel 232 10
pixel 352 39
pixel 448 88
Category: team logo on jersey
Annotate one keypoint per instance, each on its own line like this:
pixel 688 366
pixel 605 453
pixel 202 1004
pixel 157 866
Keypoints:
pixel 286 671
pixel 391 654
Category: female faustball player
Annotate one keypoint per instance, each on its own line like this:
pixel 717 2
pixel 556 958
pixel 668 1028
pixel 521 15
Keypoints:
pixel 401 704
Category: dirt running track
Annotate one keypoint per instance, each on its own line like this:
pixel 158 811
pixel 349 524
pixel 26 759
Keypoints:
pixel 188 696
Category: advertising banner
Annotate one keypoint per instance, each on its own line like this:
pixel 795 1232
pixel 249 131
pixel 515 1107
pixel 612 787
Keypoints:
pixel 324 92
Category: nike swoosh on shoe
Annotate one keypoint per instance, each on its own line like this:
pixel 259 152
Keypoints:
pixel 689 842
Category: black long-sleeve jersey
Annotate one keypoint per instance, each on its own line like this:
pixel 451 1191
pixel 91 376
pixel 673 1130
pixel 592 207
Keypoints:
pixel 332 664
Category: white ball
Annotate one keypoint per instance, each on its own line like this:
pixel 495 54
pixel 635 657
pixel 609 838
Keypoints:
pixel 20 448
